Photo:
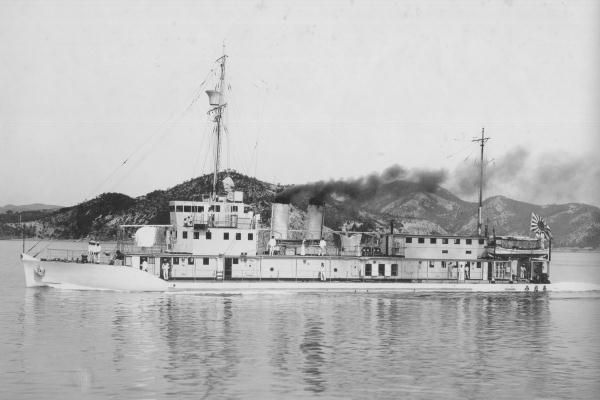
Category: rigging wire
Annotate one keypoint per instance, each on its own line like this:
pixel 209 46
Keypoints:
pixel 163 128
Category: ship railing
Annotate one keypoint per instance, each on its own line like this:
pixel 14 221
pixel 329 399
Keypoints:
pixel 79 255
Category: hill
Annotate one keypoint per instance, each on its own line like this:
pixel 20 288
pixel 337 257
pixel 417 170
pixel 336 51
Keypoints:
pixel 365 204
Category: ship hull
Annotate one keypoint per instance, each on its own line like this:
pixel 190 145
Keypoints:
pixel 71 275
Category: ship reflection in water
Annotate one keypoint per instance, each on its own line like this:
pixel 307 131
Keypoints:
pixel 455 345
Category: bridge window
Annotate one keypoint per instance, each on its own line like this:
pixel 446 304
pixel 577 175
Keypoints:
pixel 433 240
pixel 421 240
pixel 225 235
pixel 187 208
pixel 481 241
pixel 217 208
pixel 238 236
pixel 184 235
pixel 179 208
pixel 251 236
pixel 456 241
pixel 236 260
pixel 205 261
pixel 208 235
pixel 394 269
pixel 172 208
pixel 196 235
pixel 408 240
pixel 381 269
pixel 194 209
pixel 367 269
pixel 234 208
pixel 469 241
pixel 445 241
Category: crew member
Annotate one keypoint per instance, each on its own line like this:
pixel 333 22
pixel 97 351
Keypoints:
pixel 322 246
pixel 303 248
pixel 272 244
pixel 144 266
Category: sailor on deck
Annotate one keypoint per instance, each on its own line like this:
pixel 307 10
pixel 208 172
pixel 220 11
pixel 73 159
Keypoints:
pixel 322 246
pixel 272 244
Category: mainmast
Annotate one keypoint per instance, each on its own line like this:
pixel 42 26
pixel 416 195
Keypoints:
pixel 216 98
pixel 479 209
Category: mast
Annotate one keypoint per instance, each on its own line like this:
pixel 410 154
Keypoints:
pixel 480 208
pixel 216 98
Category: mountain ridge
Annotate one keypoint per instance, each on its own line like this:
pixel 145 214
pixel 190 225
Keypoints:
pixel 366 205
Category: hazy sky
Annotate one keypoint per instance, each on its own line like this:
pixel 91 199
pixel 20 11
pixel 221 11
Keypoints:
pixel 319 90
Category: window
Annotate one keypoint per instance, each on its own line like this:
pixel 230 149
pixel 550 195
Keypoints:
pixel 421 240
pixel 217 208
pixel 234 208
pixel 433 240
pixel 236 260
pixel 187 208
pixel 225 235
pixel 431 265
pixel 251 236
pixel 208 235
pixel 456 241
pixel 468 251
pixel 481 241
pixel 381 269
pixel 394 269
pixel 445 241
pixel 469 241
pixel 200 208
pixel 184 235
pixel 196 235
pixel 238 236
pixel 205 261
pixel 175 261
pixel 194 209
pixel 172 208
pixel 367 269
pixel 443 264
pixel 408 240
pixel 479 264
pixel 179 208
pixel 190 260
pixel 444 251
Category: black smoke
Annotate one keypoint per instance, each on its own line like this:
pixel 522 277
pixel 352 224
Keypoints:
pixel 363 187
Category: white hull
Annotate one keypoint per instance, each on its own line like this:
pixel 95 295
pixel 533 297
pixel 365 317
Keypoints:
pixel 119 278
pixel 88 276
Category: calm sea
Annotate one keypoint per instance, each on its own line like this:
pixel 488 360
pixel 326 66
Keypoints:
pixel 73 344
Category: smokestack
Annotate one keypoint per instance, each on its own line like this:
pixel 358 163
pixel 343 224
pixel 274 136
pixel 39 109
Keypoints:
pixel 314 225
pixel 280 214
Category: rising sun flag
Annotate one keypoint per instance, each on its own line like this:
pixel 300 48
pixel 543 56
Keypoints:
pixel 540 227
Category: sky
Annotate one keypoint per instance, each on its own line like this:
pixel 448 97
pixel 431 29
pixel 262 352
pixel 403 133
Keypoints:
pixel 99 96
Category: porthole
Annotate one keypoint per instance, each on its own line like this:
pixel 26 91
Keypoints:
pixel 271 268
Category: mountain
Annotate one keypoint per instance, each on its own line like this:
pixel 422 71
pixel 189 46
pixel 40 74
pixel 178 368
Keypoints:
pixel 365 205
pixel 11 208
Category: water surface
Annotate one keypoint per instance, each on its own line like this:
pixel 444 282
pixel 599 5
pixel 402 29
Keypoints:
pixel 78 344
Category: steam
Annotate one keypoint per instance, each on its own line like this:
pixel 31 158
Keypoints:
pixel 544 179
pixel 364 187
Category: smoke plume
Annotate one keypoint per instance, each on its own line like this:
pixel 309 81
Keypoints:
pixel 543 179
pixel 363 187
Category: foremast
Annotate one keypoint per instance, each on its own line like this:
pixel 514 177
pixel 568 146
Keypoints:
pixel 480 207
pixel 216 99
